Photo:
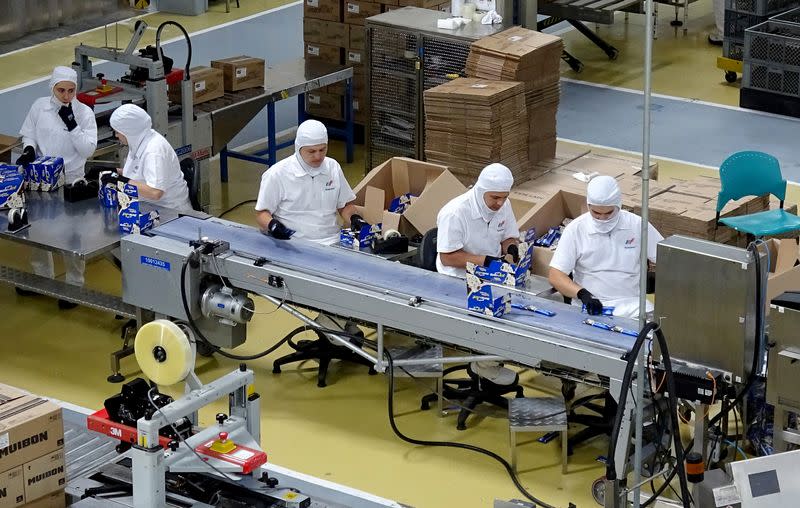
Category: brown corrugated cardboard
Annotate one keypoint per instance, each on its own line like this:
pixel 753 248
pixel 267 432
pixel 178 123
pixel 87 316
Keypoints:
pixel 323 52
pixel 8 143
pixel 356 37
pixel 432 183
pixel 45 475
pixel 53 500
pixel 29 427
pixel 616 165
pixel 425 4
pixel 207 83
pixel 552 212
pixel 8 392
pixel 326 32
pixel 12 488
pixel 323 104
pixel 784 271
pixel 355 58
pixel 327 10
pixel 240 72
pixel 356 11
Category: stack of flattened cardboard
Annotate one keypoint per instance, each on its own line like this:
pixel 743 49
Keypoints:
pixel 470 123
pixel 519 54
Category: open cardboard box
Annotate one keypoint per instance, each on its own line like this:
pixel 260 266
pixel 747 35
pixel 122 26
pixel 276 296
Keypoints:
pixel 551 213
pixel 8 143
pixel 433 185
pixel 784 272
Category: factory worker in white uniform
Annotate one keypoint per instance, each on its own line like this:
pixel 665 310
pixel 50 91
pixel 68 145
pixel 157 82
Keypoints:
pixel 60 126
pixel 478 227
pixel 152 165
pixel 304 192
pixel 601 250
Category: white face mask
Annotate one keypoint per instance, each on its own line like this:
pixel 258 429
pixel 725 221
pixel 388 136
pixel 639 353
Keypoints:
pixel 607 225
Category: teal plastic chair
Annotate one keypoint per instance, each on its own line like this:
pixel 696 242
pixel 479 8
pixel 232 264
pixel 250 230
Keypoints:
pixel 755 174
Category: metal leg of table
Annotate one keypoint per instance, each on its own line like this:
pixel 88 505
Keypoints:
pixel 301 108
pixel 223 164
pixel 128 336
pixel 607 48
pixel 348 118
pixel 272 149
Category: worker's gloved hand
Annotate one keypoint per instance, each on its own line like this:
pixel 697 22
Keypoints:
pixel 356 222
pixel 112 177
pixel 513 251
pixel 68 117
pixel 593 306
pixel 487 260
pixel 278 230
pixel 28 156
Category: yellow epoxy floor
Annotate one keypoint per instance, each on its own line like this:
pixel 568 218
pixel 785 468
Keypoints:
pixel 341 433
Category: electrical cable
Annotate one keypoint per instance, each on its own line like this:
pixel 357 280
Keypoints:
pixel 160 54
pixel 501 460
pixel 234 207
pixel 736 447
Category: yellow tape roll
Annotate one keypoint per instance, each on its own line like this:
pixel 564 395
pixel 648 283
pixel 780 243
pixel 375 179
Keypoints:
pixel 163 352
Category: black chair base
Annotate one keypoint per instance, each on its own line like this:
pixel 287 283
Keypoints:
pixel 472 392
pixel 323 351
pixel 596 425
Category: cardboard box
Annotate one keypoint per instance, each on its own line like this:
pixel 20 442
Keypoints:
pixel 12 488
pixel 30 427
pixel 356 58
pixel 55 499
pixel 784 267
pixel 362 240
pixel 240 72
pixel 131 219
pixel 8 143
pixel 433 185
pixel 46 173
pixel 359 84
pixel 207 84
pixel 326 32
pixel 328 10
pixel 484 298
pixel 356 11
pixel 45 475
pixel 357 34
pixel 324 104
pixel 324 53
pixel 425 4
pixel 12 183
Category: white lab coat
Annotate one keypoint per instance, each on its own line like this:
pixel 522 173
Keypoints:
pixel 44 130
pixel 606 264
pixel 462 227
pixel 155 163
pixel 306 202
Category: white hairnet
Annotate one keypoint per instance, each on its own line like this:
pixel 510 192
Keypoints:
pixel 494 178
pixel 62 73
pixel 310 133
pixel 603 190
pixel 132 122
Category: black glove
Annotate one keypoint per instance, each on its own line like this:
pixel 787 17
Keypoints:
pixel 487 260
pixel 278 230
pixel 356 222
pixel 513 250
pixel 68 117
pixel 593 306
pixel 112 178
pixel 651 283
pixel 28 156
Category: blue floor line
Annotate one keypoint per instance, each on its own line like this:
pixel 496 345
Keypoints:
pixel 694 132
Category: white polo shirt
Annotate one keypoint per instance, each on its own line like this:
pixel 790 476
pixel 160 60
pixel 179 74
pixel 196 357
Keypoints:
pixel 154 162
pixel 461 227
pixel 606 264
pixel 308 204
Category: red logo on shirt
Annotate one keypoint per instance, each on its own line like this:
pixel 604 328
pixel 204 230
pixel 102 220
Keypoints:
pixel 630 241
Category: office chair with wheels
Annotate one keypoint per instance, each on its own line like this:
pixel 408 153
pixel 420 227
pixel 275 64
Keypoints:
pixel 754 174
pixel 476 389
pixel 189 170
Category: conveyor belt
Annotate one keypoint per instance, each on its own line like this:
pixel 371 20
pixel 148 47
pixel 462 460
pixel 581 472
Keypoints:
pixel 384 276
pixel 595 11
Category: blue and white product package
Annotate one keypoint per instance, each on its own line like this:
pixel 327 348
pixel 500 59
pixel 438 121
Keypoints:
pixel 508 274
pixel 131 219
pixel 12 182
pixel 31 177
pixel 360 240
pixel 49 171
pixel 107 194
pixel 485 298
pixel 400 203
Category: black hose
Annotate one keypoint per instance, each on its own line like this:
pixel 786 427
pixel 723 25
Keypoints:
pixel 160 54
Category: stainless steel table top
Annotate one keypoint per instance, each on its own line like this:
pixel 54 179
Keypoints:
pixel 84 228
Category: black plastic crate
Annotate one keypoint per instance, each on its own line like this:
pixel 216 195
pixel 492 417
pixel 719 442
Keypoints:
pixel 761 7
pixel 773 43
pixel 792 16
pixel 733 48
pixel 774 79
pixel 737 22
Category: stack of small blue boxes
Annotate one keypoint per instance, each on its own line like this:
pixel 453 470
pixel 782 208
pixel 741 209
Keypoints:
pixel 361 239
pixel 12 181
pixel 400 203
pixel 125 197
pixel 484 284
pixel 46 173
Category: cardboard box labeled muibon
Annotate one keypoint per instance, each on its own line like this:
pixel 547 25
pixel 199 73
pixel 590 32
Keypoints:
pixel 207 84
pixel 323 52
pixel 326 32
pixel 131 219
pixel 240 72
pixel 55 499
pixel 12 488
pixel 432 184
pixel 44 475
pixel 327 10
pixel 325 105
pixel 12 184
pixel 30 427
pixel 356 11
pixel 485 298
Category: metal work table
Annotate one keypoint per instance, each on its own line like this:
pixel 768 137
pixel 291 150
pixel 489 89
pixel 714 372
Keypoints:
pixel 291 79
